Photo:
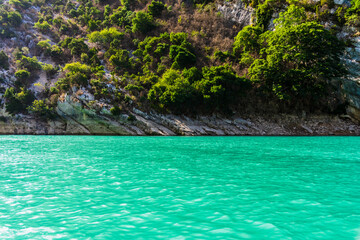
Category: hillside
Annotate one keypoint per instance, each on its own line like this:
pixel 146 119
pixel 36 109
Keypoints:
pixel 191 67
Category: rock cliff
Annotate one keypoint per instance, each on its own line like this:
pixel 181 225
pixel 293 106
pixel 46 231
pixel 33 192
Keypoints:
pixel 75 119
pixel 349 86
pixel 76 113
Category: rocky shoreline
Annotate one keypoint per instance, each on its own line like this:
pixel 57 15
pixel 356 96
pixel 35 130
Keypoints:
pixel 75 119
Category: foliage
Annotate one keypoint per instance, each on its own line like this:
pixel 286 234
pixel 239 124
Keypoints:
pixel 32 64
pixel 8 19
pixel 169 50
pixel 297 62
pixel 77 67
pixel 172 56
pixel 213 88
pixel 173 91
pixel 49 69
pixel 352 15
pixel 247 40
pixel 116 111
pixel 14 18
pixel 155 8
pixel 181 56
pixel 45 45
pixel 293 15
pixel 17 101
pixel 220 86
pixel 4 60
pixel 56 52
pixel 142 22
pixel 76 74
pixel 122 17
pixel 106 36
pixel 22 76
pixel 76 46
pixel 120 60
pixel 40 109
pixel 42 26
pixel 22 4
pixel 263 15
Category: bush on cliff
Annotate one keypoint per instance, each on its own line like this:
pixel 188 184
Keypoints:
pixel 297 61
pixel 41 109
pixel 4 60
pixel 16 101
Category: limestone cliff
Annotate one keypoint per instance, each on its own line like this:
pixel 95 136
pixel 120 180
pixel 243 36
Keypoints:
pixel 349 86
pixel 76 119
pixel 79 112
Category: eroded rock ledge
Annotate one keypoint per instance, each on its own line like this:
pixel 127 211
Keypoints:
pixel 74 119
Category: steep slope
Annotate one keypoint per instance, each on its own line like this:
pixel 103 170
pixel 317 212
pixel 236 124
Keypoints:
pixel 135 67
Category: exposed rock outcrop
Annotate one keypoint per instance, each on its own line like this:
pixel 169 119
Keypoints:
pixel 350 85
pixel 237 12
pixel 75 119
pixel 76 116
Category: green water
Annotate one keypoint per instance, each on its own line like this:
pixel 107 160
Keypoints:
pixel 70 187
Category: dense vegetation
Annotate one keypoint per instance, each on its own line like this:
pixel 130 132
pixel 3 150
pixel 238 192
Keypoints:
pixel 177 57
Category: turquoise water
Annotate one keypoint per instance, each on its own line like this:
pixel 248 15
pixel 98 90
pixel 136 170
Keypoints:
pixel 77 187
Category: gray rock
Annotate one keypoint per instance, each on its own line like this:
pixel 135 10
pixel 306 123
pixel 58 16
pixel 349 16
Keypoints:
pixel 237 12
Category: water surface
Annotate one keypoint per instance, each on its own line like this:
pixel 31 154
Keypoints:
pixel 84 187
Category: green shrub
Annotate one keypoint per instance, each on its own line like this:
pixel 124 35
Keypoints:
pixel 42 26
pixel 54 90
pixel 133 88
pixel 155 8
pixel 63 84
pixel 299 61
pixel 76 74
pixel 221 56
pixel 106 36
pixel 78 46
pixel 173 92
pixel 116 111
pixel 352 15
pixel 44 44
pixel 56 52
pixel 40 109
pixel 263 15
pixel 22 75
pixel 181 56
pixel 32 64
pixel 121 60
pixel 142 22
pixel 220 86
pixel 247 40
pixel 24 4
pixel 122 17
pixel 292 16
pixel 49 69
pixel 125 3
pixel 77 67
pixel 14 18
pixel 4 60
pixel 94 25
pixel 17 102
pixel 328 3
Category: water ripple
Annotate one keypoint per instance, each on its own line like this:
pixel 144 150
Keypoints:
pixel 179 188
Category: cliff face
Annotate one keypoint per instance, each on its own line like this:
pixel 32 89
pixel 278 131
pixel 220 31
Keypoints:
pixel 77 120
pixel 348 86
pixel 78 112
pixel 236 11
